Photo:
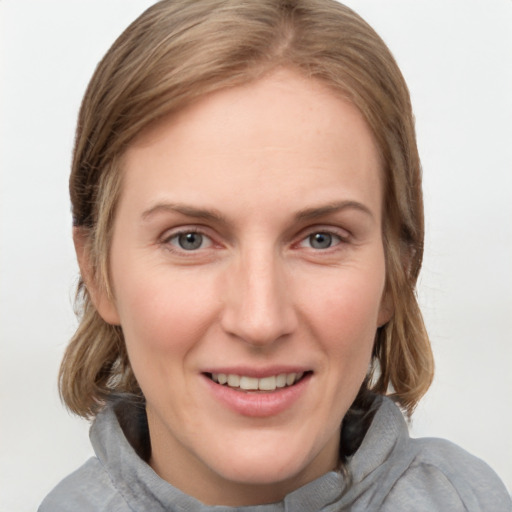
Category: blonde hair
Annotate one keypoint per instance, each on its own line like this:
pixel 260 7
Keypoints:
pixel 177 51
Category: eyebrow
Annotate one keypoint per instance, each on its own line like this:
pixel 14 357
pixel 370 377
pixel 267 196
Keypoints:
pixel 188 211
pixel 331 208
pixel 216 216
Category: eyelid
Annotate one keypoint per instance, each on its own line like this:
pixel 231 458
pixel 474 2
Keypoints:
pixel 341 233
pixel 172 233
pixel 336 239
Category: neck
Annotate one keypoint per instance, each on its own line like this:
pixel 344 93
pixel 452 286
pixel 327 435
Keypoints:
pixel 183 469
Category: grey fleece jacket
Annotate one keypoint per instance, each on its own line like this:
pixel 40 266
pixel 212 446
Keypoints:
pixel 390 472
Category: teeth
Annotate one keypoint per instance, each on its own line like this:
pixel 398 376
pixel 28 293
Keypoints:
pixel 290 378
pixel 267 384
pixel 233 381
pixel 253 384
pixel 281 380
pixel 248 383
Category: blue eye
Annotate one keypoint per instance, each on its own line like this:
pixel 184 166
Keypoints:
pixel 190 241
pixel 322 240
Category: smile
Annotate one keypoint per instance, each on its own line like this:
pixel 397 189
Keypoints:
pixel 258 394
pixel 246 383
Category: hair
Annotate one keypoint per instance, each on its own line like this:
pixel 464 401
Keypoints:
pixel 179 50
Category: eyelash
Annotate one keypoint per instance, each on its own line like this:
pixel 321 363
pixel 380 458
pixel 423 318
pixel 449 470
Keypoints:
pixel 167 240
pixel 340 238
pixel 333 238
pixel 336 237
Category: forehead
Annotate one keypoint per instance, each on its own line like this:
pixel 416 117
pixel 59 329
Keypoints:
pixel 269 96
pixel 283 131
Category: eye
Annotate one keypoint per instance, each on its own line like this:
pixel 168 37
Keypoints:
pixel 321 240
pixel 190 241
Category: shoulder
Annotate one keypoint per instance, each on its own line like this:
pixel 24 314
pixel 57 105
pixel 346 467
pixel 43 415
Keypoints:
pixel 394 473
pixel 443 476
pixel 89 488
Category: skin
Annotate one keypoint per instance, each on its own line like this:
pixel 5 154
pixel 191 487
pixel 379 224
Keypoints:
pixel 256 170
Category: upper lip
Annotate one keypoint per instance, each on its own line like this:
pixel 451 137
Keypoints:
pixel 258 373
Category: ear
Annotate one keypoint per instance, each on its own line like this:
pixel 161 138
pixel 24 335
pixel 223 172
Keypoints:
pixel 387 309
pixel 103 303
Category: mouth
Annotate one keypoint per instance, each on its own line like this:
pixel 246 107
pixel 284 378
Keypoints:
pixel 267 384
pixel 259 393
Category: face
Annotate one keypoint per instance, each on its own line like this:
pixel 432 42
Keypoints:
pixel 248 273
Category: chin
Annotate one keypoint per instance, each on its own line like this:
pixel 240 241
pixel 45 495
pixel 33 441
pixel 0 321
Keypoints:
pixel 263 463
pixel 260 473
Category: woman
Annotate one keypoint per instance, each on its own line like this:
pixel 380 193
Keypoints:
pixel 248 219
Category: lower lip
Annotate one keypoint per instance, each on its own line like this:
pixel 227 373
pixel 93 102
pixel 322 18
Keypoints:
pixel 258 404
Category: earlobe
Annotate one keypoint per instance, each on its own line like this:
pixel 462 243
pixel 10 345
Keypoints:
pixel 103 303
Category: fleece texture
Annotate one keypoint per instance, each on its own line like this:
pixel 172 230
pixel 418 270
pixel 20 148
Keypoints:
pixel 390 472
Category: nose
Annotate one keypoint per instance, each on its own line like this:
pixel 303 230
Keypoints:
pixel 258 304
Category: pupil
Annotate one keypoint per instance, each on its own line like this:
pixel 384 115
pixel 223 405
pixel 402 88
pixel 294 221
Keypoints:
pixel 190 241
pixel 320 240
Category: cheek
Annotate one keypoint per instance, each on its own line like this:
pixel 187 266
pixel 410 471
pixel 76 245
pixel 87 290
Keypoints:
pixel 344 318
pixel 163 314
pixel 347 308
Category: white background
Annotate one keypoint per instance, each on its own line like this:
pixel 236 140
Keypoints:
pixel 457 58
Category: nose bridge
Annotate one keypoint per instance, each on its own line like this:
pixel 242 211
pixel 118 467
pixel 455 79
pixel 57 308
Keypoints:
pixel 258 307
